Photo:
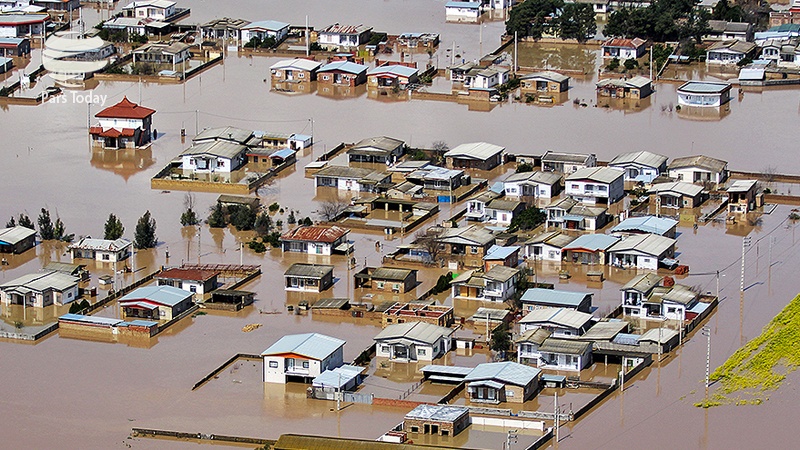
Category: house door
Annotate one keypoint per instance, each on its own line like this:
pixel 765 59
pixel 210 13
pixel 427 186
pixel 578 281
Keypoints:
pixel 289 75
pixel 318 249
pixel 290 364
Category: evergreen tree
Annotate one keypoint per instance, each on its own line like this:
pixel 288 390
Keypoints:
pixel 243 218
pixel 577 21
pixel 25 221
pixel 113 228
pixel 501 340
pixel 527 219
pixel 263 224
pixel 46 230
pixel 60 231
pixel 11 223
pixel 291 220
pixel 145 232
pixel 217 217
pixel 189 218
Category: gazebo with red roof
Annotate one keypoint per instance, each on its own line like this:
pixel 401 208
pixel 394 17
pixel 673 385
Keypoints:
pixel 124 125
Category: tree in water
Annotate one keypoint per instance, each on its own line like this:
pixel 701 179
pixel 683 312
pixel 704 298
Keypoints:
pixel 113 228
pixel 46 230
pixel 217 217
pixel 11 223
pixel 145 236
pixel 189 217
pixel 25 221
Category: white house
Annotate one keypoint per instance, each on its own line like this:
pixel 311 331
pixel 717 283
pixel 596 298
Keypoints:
pixel 645 297
pixel 344 35
pixel 150 9
pixel 101 249
pixel 559 321
pixel 501 211
pixel 565 354
pixel 197 281
pixel 662 226
pixel 502 382
pixel 487 78
pixel 40 289
pixel 297 69
pixel 462 11
pixel 156 303
pixel 498 284
pixel 123 125
pixel 624 48
pixel 567 163
pixel 475 155
pixel 476 205
pixel 729 52
pixel 641 251
pixel 213 156
pixel 699 169
pixel 264 29
pixel 589 248
pixel 596 184
pixel 528 346
pixel 641 166
pixel 354 179
pixel 413 341
pixel 538 298
pixel 301 356
pixel 704 94
pixel 547 246
pixel 315 240
pixel 532 184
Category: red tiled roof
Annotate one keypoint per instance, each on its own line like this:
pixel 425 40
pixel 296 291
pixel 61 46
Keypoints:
pixel 188 274
pixel 315 233
pixel 112 132
pixel 626 43
pixel 126 109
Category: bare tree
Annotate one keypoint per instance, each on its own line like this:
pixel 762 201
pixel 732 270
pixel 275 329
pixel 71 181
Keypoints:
pixel 440 146
pixel 330 210
pixel 769 174
pixel 429 241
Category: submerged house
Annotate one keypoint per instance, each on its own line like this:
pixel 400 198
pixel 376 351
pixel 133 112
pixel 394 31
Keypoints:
pixel 390 279
pixel 547 246
pixel 544 82
pixel 662 226
pixel 353 179
pixel 648 296
pixel 538 298
pixel 730 52
pixel 101 249
pixel 558 321
pixel 392 75
pixel 532 185
pixel 379 149
pixel 624 48
pixel 477 155
pixel 308 277
pixel 636 88
pixel 704 94
pixel 344 35
pixel 642 251
pixel 699 169
pixel 476 205
pixel 213 156
pixel 40 289
pixel 17 239
pixel 641 166
pixel 301 356
pixel 596 184
pixel 315 240
pixel 467 245
pixel 156 303
pixel 589 249
pixel 413 341
pixel 498 284
pixel 502 382
pixel 742 196
pixel 196 281
pixel 567 163
pixel 676 194
pixel 124 125
pixel 565 354
pixel 263 30
pixel 297 70
pixel 344 73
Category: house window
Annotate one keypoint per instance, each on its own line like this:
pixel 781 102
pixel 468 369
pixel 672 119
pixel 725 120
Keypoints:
pixel 421 351
pixel 474 249
pixel 384 349
pixel 380 284
pixel 602 188
pixel 305 364
pixel 574 186
pixel 105 257
pixel 193 288
pixel 273 364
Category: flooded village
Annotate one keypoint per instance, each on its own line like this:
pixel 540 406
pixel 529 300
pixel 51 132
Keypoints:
pixel 394 225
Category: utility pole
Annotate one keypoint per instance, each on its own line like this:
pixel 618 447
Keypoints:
pixel 511 438
pixel 555 417
pixel 745 244
pixel 707 333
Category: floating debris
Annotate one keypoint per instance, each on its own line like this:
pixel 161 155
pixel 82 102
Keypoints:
pixel 250 327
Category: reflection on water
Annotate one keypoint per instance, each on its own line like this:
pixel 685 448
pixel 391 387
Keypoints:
pixel 123 162
pixel 558 57
pixel 704 113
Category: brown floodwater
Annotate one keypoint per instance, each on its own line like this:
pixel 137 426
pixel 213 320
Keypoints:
pixel 97 391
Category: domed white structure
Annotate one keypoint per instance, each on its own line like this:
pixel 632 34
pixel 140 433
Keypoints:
pixel 68 57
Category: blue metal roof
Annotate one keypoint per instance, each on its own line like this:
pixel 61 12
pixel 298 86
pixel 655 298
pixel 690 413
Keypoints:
pixel 592 242
pixel 283 153
pixel 165 295
pixel 464 5
pixel 507 372
pixel 272 25
pixel 647 224
pixel 90 319
pixel 500 252
pixel 311 345
pixel 338 377
pixel 554 297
